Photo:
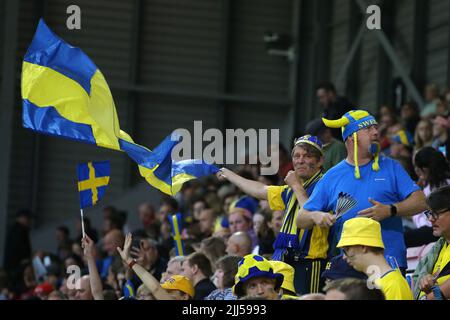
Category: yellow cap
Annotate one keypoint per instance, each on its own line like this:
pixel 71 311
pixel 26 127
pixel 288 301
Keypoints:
pixel 361 231
pixel 181 283
pixel 288 273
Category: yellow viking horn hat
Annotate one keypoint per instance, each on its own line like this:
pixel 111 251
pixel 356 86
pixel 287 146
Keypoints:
pixel 351 123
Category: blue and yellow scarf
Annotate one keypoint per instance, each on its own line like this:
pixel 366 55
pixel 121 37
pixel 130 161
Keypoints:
pixel 290 236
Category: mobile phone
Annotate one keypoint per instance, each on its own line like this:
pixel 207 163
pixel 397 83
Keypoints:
pixel 136 242
pixel 47 261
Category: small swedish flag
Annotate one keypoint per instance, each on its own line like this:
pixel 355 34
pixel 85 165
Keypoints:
pixel 176 227
pixel 93 178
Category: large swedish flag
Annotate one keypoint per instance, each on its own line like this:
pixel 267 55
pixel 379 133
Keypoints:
pixel 65 94
pixel 93 178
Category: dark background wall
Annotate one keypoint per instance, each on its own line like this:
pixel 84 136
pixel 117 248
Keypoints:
pixel 170 62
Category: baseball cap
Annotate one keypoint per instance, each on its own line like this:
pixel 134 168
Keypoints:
pixel 403 137
pixel 338 268
pixel 181 283
pixel 246 205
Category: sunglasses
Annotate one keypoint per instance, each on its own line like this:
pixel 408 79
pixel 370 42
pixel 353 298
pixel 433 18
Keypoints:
pixel 435 214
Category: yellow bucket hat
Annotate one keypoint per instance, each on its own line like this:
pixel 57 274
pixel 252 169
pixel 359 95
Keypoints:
pixel 288 273
pixel 181 283
pixel 361 231
pixel 351 123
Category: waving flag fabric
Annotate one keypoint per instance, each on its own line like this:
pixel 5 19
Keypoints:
pixel 65 94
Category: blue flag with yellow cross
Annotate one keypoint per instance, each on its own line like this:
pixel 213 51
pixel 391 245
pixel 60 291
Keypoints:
pixel 93 179
pixel 176 227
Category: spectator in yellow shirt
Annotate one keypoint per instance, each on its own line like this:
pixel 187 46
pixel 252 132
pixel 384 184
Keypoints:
pixel 432 275
pixel 364 250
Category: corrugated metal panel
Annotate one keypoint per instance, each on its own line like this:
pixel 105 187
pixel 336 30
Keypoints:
pixel 339 36
pixel 159 116
pixel 437 47
pixel 105 32
pixel 180 45
pixel 368 72
pixel 180 51
pixel 21 164
pixel 254 72
pixel 262 117
pixel 2 25
pixel 245 117
pixel 404 33
pixel 27 19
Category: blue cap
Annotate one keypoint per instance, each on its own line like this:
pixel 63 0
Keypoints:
pixel 403 137
pixel 311 140
pixel 246 204
pixel 338 268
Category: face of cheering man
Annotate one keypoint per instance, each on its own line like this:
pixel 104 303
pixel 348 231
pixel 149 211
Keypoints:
pixel 306 162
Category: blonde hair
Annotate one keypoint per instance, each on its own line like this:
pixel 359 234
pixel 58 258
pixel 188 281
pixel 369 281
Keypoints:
pixel 417 140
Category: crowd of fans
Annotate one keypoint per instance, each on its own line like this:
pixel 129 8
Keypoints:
pixel 228 234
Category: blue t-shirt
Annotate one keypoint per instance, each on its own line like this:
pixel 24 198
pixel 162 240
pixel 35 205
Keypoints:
pixel 340 192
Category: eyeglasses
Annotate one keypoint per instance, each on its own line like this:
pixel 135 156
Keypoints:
pixel 346 252
pixel 435 214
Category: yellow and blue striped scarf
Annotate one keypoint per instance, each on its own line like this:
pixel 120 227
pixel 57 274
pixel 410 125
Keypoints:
pixel 290 236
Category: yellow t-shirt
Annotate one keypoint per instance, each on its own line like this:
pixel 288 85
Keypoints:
pixel 395 286
pixel 442 261
pixel 313 243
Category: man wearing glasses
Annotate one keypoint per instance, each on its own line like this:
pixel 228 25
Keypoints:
pixel 364 251
pixel 365 184
pixel 432 275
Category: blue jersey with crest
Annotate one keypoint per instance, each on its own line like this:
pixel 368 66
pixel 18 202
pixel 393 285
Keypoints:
pixel 340 192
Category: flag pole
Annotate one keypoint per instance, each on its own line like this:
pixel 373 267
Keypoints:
pixel 82 223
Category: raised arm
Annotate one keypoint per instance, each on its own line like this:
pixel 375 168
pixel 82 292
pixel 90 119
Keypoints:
pixel 253 188
pixel 94 278
pixel 147 279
